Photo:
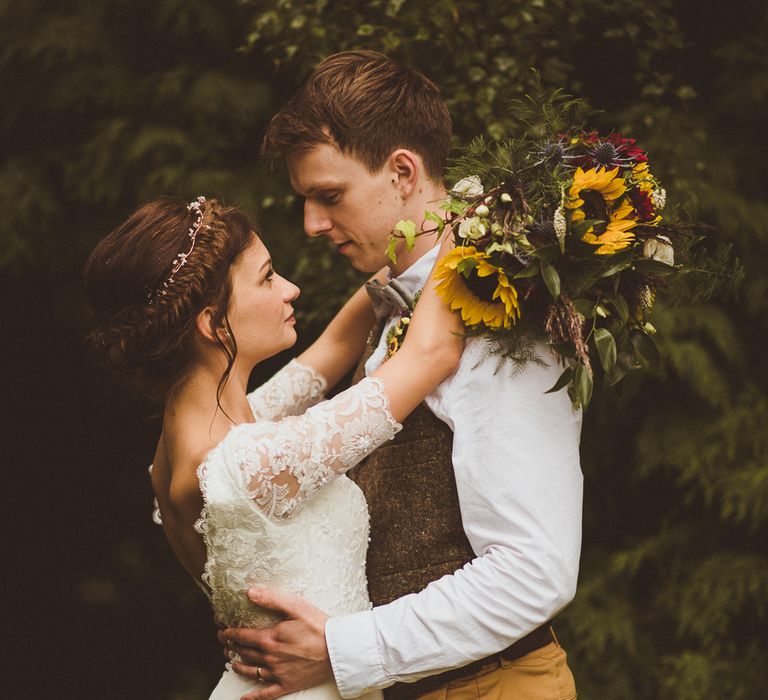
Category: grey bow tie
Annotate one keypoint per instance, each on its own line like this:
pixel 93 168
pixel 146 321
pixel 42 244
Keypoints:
pixel 388 299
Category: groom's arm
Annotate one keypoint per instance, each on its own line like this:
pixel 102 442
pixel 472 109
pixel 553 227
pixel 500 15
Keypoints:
pixel 516 460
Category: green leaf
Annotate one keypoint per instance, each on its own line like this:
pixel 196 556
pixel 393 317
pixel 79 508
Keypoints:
pixel 455 206
pixel 505 247
pixel 408 229
pixel 619 372
pixel 466 265
pixel 391 254
pixel 531 271
pixel 645 349
pixel 435 219
pixel 654 267
pixel 547 254
pixel 579 228
pixel 606 349
pixel 552 280
pixel 585 307
pixel 631 384
pixel 564 379
pixel 582 384
pixel 620 304
pixel 617 266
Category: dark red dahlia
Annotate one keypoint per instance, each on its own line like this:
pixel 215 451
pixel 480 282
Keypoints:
pixel 643 204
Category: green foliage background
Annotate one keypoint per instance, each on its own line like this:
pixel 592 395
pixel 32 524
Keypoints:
pixel 109 103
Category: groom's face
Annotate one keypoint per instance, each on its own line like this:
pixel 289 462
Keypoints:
pixel 353 208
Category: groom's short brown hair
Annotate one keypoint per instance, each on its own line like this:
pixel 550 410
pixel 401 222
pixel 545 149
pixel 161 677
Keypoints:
pixel 368 106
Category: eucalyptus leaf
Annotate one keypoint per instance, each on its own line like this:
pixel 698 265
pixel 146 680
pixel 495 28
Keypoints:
pixel 645 349
pixel 618 373
pixel 563 380
pixel 582 383
pixel 631 384
pixel 606 349
pixel 584 307
pixel 552 280
pixel 547 254
pixel 617 266
pixel 620 304
pixel 531 271
pixel 654 267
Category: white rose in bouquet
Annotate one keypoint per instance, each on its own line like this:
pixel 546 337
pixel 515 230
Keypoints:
pixel 659 248
pixel 468 186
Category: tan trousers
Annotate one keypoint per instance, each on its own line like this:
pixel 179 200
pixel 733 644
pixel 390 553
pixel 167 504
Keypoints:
pixel 541 675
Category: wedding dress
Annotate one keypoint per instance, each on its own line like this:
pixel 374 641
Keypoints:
pixel 266 520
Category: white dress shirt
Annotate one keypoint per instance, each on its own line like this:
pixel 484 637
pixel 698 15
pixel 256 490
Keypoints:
pixel 516 462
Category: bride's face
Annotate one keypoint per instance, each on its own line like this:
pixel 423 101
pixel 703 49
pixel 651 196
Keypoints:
pixel 260 311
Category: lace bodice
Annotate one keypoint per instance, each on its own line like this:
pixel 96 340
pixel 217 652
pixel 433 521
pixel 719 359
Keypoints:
pixel 290 392
pixel 267 521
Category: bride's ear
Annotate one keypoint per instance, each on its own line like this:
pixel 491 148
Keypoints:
pixel 207 328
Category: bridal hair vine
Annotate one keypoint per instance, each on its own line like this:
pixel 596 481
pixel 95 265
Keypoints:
pixel 181 259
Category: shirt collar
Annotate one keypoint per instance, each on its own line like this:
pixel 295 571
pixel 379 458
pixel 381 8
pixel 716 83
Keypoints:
pixel 415 277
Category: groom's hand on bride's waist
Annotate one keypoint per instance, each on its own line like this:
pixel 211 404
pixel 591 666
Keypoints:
pixel 289 656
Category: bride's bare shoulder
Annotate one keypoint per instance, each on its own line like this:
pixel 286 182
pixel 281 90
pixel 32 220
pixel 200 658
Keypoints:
pixel 184 443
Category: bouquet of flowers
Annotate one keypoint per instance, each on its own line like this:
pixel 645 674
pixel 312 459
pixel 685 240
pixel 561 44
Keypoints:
pixel 564 238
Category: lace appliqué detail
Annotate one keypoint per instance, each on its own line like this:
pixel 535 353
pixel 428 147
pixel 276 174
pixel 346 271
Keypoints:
pixel 283 463
pixel 290 392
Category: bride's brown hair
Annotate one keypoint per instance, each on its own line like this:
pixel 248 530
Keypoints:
pixel 143 329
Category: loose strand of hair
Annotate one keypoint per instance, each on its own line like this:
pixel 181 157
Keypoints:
pixel 231 355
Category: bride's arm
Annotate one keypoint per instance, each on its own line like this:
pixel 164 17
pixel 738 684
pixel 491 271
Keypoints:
pixel 304 381
pixel 288 392
pixel 282 463
pixel 431 350
pixel 341 344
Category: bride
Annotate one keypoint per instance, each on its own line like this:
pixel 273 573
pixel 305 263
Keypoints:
pixel 250 487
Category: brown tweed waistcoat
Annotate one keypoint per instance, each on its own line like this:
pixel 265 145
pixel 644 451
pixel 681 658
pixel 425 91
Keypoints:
pixel 416 530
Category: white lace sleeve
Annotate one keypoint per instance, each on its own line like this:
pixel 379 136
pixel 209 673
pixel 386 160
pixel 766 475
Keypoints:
pixel 289 392
pixel 284 462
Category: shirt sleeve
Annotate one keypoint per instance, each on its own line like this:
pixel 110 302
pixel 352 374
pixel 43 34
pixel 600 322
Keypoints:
pixel 516 462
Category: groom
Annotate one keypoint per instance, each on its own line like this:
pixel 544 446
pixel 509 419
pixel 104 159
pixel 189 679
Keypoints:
pixel 476 504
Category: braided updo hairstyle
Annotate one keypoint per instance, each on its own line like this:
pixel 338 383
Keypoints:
pixel 142 330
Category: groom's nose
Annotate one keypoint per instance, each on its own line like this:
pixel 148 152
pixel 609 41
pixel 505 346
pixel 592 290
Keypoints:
pixel 316 221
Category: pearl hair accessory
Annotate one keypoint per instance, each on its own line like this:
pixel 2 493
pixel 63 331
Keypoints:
pixel 181 259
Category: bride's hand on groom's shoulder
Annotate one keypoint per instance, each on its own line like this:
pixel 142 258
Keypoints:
pixel 289 656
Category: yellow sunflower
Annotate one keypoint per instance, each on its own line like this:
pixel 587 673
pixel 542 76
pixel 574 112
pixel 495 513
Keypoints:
pixel 607 187
pixel 642 177
pixel 501 312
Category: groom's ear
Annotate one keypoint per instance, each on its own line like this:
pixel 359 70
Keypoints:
pixel 405 167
